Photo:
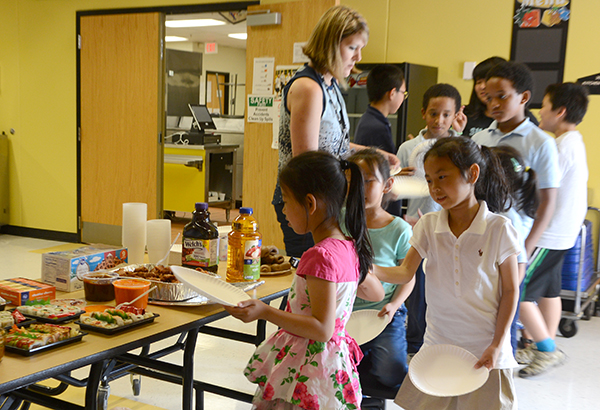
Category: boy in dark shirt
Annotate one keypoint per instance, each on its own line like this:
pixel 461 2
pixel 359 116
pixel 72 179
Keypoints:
pixel 386 89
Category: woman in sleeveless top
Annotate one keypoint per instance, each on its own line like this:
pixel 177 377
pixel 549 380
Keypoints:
pixel 313 112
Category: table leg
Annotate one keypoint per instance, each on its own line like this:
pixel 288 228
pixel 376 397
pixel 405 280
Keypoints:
pixel 188 369
pixel 91 391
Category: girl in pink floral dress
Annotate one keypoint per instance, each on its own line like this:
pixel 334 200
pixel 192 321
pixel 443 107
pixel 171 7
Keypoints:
pixel 310 363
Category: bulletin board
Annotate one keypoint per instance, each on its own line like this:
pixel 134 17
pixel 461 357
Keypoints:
pixel 539 39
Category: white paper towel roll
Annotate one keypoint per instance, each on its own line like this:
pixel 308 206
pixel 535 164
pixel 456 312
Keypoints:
pixel 134 230
pixel 158 239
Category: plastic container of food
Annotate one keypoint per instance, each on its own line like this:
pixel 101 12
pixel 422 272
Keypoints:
pixel 128 289
pixel 98 285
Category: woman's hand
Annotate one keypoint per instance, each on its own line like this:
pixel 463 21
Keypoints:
pixel 488 358
pixel 247 310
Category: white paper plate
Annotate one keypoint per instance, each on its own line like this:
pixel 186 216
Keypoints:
pixel 210 287
pixel 365 325
pixel 446 370
pixel 418 154
pixel 409 187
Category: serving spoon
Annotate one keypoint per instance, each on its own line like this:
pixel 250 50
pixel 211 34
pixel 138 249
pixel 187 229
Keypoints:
pixel 160 262
pixel 120 305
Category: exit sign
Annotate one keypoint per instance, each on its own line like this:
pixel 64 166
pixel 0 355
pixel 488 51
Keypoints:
pixel 211 48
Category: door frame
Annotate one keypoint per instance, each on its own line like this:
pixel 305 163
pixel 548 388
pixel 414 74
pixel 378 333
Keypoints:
pixel 167 10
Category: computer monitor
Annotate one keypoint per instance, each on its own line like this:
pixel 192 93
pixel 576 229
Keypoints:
pixel 202 117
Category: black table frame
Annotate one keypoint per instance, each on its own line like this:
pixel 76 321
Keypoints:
pixel 117 362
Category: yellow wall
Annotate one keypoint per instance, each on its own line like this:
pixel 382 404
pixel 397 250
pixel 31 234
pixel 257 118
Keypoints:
pixel 38 79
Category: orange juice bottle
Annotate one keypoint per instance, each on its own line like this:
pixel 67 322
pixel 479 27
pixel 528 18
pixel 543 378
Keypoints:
pixel 243 248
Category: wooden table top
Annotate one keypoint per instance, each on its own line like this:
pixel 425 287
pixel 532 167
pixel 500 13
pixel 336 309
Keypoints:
pixel 17 371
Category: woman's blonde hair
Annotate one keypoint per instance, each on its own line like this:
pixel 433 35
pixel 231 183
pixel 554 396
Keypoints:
pixel 323 46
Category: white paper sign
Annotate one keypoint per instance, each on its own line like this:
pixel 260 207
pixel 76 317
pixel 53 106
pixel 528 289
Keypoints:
pixel 299 56
pixel 276 119
pixel 262 81
pixel 261 108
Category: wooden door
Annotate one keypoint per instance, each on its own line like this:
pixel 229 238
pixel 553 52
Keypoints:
pixel 260 160
pixel 121 119
pixel 215 93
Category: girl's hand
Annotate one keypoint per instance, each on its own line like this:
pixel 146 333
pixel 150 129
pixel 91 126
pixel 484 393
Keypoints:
pixel 247 311
pixel 389 309
pixel 488 358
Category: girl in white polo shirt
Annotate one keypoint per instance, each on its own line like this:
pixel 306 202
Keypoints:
pixel 472 280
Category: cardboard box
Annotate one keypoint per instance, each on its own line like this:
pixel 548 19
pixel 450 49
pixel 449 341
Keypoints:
pixel 60 268
pixel 20 290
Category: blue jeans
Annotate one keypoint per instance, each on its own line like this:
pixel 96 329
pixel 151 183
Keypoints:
pixel 417 306
pixel 384 366
pixel 295 245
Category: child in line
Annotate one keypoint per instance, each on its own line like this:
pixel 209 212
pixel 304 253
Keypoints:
pixel 509 87
pixel 524 199
pixel 563 108
pixel 471 286
pixel 310 363
pixel 384 364
pixel 386 90
pixel 441 109
pixel 479 117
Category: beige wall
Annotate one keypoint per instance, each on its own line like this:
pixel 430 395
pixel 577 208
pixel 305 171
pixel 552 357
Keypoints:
pixel 38 79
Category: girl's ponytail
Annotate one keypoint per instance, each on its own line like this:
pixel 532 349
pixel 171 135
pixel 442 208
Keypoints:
pixel 356 218
pixel 493 187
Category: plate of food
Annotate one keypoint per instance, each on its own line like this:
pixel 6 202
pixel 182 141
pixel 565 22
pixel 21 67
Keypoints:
pixel 50 313
pixel 446 370
pixel 365 325
pixel 111 320
pixel 8 318
pixel 210 287
pixel 37 337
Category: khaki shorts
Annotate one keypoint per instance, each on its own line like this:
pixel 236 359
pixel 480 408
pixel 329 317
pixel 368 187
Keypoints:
pixel 498 393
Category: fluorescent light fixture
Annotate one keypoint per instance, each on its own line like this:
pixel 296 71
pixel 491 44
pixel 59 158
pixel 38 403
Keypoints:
pixel 193 23
pixel 172 39
pixel 239 36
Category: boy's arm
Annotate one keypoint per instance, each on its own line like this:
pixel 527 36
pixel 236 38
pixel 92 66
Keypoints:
pixel 401 293
pixel 506 311
pixel 400 274
pixel 543 216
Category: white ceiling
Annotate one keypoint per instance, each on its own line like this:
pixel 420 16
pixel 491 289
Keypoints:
pixel 214 34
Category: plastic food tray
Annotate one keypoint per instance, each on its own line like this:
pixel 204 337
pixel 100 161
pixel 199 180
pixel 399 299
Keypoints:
pixel 25 352
pixel 54 321
pixel 119 329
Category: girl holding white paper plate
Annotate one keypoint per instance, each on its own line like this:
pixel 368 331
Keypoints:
pixel 311 361
pixel 385 364
pixel 472 283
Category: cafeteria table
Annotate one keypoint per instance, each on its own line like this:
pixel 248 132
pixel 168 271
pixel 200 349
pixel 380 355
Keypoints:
pixel 108 356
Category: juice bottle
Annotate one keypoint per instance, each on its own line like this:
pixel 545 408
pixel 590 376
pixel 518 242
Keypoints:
pixel 200 244
pixel 243 248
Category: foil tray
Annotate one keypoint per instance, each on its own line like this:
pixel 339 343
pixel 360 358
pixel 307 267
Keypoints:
pixel 200 300
pixel 165 291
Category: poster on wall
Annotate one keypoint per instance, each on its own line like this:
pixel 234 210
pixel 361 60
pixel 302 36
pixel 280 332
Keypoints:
pixel 283 74
pixel 263 73
pixel 541 13
pixel 261 108
pixel 591 82
pixel 539 40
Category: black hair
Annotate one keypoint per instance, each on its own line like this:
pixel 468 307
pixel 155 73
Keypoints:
pixel 522 180
pixel 476 108
pixel 374 161
pixel 382 79
pixel 322 175
pixel 442 90
pixel 574 97
pixel 492 185
pixel 517 73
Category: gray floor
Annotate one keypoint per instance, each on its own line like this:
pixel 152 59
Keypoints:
pixel 575 385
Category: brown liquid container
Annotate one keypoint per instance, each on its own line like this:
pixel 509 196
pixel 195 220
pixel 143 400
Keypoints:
pixel 200 244
pixel 243 248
